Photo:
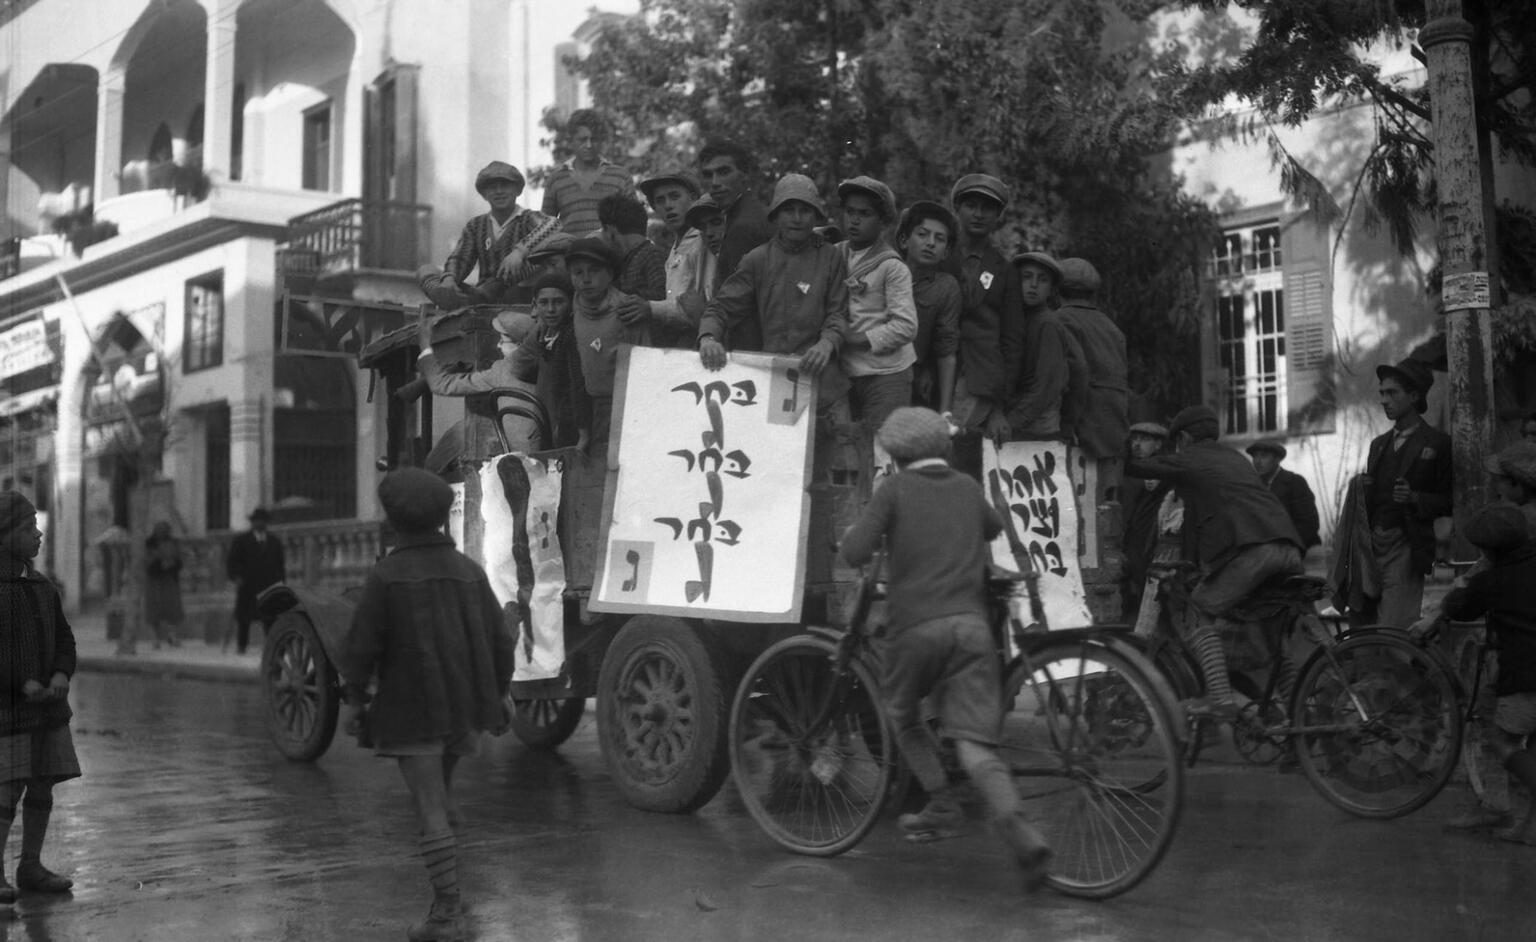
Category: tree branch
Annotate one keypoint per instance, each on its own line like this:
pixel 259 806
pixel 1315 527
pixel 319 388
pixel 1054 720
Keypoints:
pixel 1382 90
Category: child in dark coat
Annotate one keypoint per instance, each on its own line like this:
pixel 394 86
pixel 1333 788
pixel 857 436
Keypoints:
pixel 37 659
pixel 429 631
pixel 936 524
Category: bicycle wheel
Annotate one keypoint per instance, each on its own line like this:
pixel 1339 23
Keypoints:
pixel 1377 727
pixel 1468 649
pixel 1096 760
pixel 815 788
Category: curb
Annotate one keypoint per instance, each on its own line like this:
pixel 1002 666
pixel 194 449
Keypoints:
pixel 218 673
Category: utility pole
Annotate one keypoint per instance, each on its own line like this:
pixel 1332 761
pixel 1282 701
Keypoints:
pixel 1446 41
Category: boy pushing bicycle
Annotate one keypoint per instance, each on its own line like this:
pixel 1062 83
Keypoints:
pixel 936 525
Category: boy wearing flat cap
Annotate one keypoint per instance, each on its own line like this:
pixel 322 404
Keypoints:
pixel 1407 485
pixel 1050 373
pixel 882 317
pixel 935 524
pixel 689 265
pixel 1503 595
pixel 600 327
pixel 496 244
pixel 1292 489
pixel 429 636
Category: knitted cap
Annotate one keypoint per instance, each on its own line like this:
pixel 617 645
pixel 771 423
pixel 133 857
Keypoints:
pixel 15 509
pixel 1499 527
pixel 885 200
pixel 514 324
pixel 983 183
pixel 498 170
pixel 415 499
pixel 912 433
pixel 797 186
pixel 1078 274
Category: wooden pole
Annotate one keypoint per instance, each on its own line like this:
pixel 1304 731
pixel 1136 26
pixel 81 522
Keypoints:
pixel 1446 40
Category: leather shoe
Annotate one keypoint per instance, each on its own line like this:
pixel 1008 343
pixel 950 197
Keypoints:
pixel 36 878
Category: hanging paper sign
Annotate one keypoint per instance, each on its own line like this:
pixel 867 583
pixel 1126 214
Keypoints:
pixel 706 504
pixel 1035 480
pixel 520 507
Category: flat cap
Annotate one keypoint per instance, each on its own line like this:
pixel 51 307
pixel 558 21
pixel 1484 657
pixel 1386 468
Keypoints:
pixel 1498 527
pixel 1517 462
pixel 1039 258
pixel 593 249
pixel 415 499
pixel 702 208
pixel 797 186
pixel 514 324
pixel 498 170
pixel 1150 428
pixel 884 198
pixel 1193 415
pixel 983 183
pixel 912 433
pixel 1078 274
pixel 1272 445
pixel 677 175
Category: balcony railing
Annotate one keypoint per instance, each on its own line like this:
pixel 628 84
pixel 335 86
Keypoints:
pixel 355 235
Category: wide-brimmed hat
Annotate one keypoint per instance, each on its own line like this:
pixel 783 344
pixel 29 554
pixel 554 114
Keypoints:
pixel 912 433
pixel 1193 415
pixel 1414 374
pixel 796 186
pixel 498 170
pixel 1153 429
pixel 1041 259
pixel 681 177
pixel 983 183
pixel 1517 462
pixel 926 209
pixel 869 185
pixel 1078 274
pixel 704 206
pixel 595 250
pixel 1498 527
pixel 415 499
pixel 1271 445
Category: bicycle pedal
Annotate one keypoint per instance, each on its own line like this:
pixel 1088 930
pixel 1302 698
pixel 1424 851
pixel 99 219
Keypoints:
pixel 928 837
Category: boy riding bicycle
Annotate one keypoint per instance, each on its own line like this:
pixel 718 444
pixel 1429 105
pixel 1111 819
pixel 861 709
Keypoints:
pixel 936 525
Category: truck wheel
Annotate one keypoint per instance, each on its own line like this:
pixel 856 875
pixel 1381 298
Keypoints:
pixel 545 724
pixel 662 714
pixel 300 687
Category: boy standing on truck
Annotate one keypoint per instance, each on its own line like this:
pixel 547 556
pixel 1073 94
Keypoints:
pixel 603 321
pixel 936 524
pixel 882 318
pixel 429 630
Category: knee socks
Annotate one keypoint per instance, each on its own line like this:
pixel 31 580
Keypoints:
pixel 35 811
pixel 440 852
pixel 1206 644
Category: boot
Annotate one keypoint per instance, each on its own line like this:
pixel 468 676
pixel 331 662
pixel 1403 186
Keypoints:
pixel 444 922
pixel 1030 851
pixel 941 817
pixel 33 877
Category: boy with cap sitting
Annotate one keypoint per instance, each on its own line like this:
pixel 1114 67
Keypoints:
pixel 603 320
pixel 924 235
pixel 935 526
pixel 689 264
pixel 496 244
pixel 428 633
pixel 877 353
pixel 791 291
pixel 1503 594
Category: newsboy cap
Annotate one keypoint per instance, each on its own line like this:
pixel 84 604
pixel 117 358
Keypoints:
pixel 1153 429
pixel 1042 259
pixel 912 433
pixel 514 324
pixel 797 186
pixel 702 208
pixel 885 200
pixel 595 250
pixel 415 499
pixel 1517 462
pixel 1498 527
pixel 985 184
pixel 1271 445
pixel 1078 274
pixel 1414 374
pixel 676 175
pixel 1193 415
pixel 498 170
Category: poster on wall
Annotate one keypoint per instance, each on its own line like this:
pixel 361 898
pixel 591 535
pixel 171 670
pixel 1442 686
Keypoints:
pixel 520 551
pixel 706 506
pixel 1035 480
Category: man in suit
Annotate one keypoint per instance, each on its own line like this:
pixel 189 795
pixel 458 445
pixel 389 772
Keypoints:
pixel 1290 487
pixel 255 562
pixel 1407 485
pixel 1243 538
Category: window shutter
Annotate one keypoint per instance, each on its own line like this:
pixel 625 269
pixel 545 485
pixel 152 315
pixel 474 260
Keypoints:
pixel 1310 360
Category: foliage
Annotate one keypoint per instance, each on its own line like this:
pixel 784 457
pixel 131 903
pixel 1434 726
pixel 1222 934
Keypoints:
pixel 1059 99
pixel 81 229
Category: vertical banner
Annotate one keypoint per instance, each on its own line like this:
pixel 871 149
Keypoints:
pixel 456 516
pixel 706 504
pixel 520 506
pixel 1035 479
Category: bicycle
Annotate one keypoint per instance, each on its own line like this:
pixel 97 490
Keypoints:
pixel 1373 718
pixel 1088 735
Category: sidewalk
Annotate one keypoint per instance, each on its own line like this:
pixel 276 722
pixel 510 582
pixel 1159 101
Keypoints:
pixel 193 660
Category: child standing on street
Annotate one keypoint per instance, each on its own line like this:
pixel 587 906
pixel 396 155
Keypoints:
pixel 936 525
pixel 36 748
pixel 428 629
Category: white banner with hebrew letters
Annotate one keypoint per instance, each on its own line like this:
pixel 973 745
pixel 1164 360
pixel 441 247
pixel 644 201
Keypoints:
pixel 520 507
pixel 1042 500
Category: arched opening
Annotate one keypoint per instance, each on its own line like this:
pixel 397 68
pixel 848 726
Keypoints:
pixel 163 76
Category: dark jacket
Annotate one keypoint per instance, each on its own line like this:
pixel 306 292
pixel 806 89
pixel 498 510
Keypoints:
pixel 430 629
pixel 746 227
pixel 1296 495
pixel 991 322
pixel 1425 461
pixel 1503 593
pixel 1224 500
pixel 253 566
pixel 1100 419
pixel 1140 538
pixel 35 643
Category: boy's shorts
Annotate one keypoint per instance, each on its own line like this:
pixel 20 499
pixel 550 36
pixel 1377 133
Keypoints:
pixel 464 744
pixel 1515 714
pixel 954 658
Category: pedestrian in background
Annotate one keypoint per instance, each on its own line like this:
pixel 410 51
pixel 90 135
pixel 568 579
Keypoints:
pixel 37 659
pixel 255 562
pixel 1292 489
pixel 162 585
pixel 429 635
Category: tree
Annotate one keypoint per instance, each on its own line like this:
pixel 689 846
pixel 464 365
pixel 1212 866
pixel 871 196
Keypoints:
pixel 1062 100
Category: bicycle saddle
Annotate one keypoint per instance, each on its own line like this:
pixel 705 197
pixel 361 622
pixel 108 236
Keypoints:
pixel 1292 586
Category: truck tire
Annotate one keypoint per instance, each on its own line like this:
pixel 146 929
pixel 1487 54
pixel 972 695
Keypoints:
pixel 663 714
pixel 545 724
pixel 299 685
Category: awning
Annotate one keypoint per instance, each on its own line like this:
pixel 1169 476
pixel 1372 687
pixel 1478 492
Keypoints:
pixel 24 402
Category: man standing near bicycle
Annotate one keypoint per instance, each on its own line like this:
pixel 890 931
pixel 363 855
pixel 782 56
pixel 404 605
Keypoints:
pixel 1242 534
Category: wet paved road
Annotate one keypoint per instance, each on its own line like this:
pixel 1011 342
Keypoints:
pixel 188 826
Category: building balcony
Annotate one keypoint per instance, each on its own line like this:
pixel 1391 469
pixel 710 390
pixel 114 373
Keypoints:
pixel 337 251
